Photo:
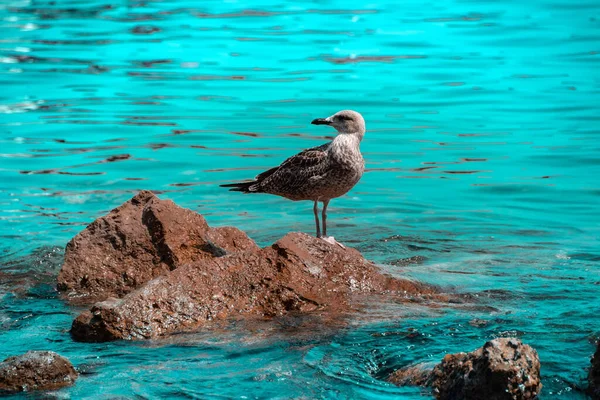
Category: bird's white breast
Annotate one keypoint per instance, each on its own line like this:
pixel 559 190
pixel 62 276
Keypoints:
pixel 345 150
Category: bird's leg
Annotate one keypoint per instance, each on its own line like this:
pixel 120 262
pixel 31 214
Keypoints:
pixel 316 211
pixel 324 218
pixel 328 239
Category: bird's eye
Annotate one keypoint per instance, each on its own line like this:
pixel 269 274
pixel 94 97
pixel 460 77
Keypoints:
pixel 345 117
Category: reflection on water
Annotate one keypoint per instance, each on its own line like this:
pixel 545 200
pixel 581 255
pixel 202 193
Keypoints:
pixel 482 172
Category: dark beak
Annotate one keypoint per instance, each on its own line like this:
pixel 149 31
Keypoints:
pixel 320 121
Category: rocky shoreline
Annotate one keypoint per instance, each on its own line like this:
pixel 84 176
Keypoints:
pixel 149 269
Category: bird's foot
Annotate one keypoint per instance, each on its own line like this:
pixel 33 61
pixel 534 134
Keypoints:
pixel 331 240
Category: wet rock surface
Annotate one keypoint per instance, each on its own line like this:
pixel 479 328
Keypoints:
pixel 36 370
pixel 298 273
pixel 594 375
pixel 139 241
pixel 503 368
pixel 415 375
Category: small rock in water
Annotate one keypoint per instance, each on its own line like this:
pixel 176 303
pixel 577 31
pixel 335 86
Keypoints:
pixel 36 370
pixel 503 369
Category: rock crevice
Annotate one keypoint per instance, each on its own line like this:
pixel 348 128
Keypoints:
pixel 136 242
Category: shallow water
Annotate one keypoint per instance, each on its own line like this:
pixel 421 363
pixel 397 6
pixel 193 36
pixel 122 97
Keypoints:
pixel 482 153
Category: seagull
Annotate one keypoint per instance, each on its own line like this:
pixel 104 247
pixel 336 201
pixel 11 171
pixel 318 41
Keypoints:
pixel 320 173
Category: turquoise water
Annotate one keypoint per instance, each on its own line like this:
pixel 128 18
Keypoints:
pixel 482 152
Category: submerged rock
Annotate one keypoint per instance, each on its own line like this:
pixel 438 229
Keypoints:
pixel 36 370
pixel 32 274
pixel 138 241
pixel 503 369
pixel 414 375
pixel 594 375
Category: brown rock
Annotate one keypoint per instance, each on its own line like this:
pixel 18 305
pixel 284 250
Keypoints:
pixel 594 376
pixel 36 370
pixel 502 369
pixel 298 273
pixel 138 241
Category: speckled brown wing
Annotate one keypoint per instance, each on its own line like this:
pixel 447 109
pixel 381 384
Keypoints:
pixel 294 172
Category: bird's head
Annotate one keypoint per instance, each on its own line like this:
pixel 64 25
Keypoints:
pixel 345 121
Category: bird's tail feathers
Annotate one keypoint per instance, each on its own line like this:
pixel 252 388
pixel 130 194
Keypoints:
pixel 244 187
